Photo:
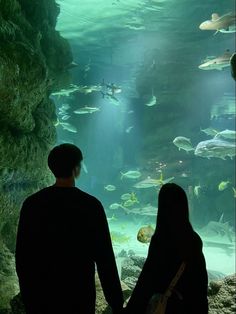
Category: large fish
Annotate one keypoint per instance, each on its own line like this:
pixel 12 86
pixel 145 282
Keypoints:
pixel 229 134
pixel 218 63
pixel 215 147
pixel 223 24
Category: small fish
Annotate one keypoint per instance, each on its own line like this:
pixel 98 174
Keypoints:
pixel 152 102
pixel 129 203
pixel 66 92
pixel 183 143
pixel 149 182
pixel 68 127
pixel 147 210
pixel 234 191
pixel 196 190
pixel 131 174
pixel 129 129
pixel 110 187
pixel 112 218
pixel 223 185
pixel 86 110
pixel 116 206
pixel 125 196
pixel 65 117
pixel 145 234
pixel 209 131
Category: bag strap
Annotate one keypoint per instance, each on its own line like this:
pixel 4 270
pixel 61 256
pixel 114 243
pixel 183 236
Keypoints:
pixel 170 288
pixel 177 276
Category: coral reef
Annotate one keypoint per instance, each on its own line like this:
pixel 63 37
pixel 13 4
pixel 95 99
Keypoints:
pixel 34 61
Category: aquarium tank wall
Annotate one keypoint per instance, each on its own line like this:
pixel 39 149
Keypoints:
pixel 145 89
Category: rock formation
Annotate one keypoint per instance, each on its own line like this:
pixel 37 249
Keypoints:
pixel 34 59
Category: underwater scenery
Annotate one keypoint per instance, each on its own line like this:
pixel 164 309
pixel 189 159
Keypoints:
pixel 145 89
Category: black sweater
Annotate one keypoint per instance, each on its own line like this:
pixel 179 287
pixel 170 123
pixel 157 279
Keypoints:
pixel 62 234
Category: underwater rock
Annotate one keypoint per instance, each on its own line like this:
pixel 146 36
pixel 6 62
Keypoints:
pixel 130 282
pixel 8 282
pixel 34 61
pixel 221 296
pixel 130 271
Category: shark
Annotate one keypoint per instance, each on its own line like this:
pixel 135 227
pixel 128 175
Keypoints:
pixel 223 24
pixel 217 63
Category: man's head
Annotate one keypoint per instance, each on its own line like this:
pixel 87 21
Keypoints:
pixel 65 160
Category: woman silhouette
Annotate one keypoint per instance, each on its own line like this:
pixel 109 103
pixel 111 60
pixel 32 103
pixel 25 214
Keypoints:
pixel 174 241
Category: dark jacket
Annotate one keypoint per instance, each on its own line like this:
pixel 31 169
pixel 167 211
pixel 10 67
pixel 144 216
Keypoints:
pixel 62 234
pixel 161 265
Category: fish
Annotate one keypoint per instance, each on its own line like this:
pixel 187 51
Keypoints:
pixel 224 23
pixel 152 102
pixel 147 210
pixel 87 89
pixel 129 198
pixel 112 218
pixel 149 182
pixel 183 143
pixel 111 88
pixel 129 129
pixel 129 203
pixel 228 134
pixel 131 174
pixel 118 237
pixel 218 228
pixel 210 131
pixel 68 127
pixel 196 190
pixel 65 117
pixel 116 206
pixel 217 148
pixel 234 191
pixel 217 63
pixel 66 92
pixel 110 187
pixel 145 234
pixel 86 110
pixel 125 196
pixel 223 185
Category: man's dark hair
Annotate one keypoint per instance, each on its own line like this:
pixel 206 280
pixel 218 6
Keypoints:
pixel 63 159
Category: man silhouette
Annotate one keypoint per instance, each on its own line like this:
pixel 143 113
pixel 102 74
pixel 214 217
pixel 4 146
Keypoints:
pixel 62 234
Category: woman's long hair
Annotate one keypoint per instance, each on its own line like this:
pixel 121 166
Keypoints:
pixel 173 215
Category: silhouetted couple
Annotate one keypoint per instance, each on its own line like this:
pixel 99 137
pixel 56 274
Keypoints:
pixel 63 236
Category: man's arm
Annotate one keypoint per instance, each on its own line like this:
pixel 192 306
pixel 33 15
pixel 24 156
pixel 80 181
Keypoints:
pixel 106 264
pixel 24 254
